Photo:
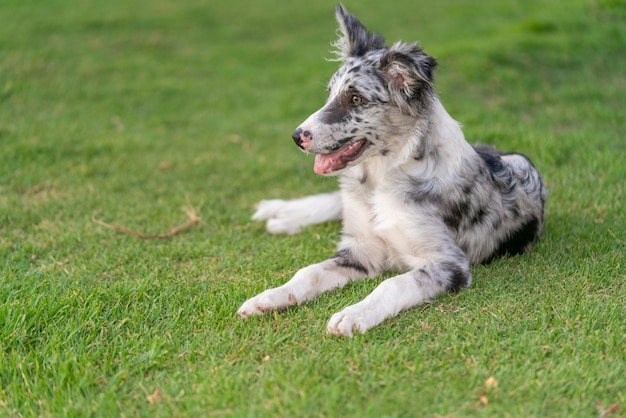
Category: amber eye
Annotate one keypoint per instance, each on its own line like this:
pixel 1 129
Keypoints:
pixel 356 99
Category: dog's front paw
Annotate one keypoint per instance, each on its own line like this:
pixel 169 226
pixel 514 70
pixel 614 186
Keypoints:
pixel 271 299
pixel 350 320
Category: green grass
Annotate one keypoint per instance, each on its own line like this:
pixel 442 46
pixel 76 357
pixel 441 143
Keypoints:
pixel 122 109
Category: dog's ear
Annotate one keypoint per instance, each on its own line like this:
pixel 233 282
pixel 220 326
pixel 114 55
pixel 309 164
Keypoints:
pixel 409 74
pixel 355 40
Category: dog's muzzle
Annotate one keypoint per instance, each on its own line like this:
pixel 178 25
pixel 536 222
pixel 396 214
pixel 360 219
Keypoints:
pixel 301 137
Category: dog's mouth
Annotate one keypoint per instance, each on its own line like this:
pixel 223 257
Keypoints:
pixel 338 160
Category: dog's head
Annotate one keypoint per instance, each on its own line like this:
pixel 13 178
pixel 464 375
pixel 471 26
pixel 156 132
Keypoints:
pixel 375 99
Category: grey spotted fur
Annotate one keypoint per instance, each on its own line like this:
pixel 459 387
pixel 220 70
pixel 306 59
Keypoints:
pixel 415 197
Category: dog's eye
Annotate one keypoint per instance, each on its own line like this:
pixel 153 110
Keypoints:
pixel 356 99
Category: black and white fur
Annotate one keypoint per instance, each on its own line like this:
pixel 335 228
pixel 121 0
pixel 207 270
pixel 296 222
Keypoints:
pixel 414 197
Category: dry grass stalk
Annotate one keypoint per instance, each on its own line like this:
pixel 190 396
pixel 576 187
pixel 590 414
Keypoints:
pixel 189 210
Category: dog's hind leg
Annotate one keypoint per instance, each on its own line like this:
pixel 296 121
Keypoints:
pixel 289 216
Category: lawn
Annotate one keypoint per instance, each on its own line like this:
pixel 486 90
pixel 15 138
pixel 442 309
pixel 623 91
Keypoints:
pixel 127 111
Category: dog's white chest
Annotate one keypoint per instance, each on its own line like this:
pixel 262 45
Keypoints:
pixel 389 221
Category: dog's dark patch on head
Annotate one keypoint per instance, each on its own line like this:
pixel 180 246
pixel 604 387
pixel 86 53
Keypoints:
pixel 337 111
pixel 355 130
pixel 358 40
pixel 378 83
pixel 363 179
pixel 384 151
pixel 408 71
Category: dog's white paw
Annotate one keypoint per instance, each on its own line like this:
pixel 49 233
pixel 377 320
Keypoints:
pixel 282 226
pixel 352 319
pixel 279 215
pixel 267 209
pixel 271 299
pixel 289 216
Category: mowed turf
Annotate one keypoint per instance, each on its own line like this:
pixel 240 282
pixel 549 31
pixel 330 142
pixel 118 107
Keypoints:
pixel 127 111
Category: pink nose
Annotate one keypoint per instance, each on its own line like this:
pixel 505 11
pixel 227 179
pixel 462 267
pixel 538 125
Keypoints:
pixel 301 137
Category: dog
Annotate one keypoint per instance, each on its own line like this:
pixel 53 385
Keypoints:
pixel 415 198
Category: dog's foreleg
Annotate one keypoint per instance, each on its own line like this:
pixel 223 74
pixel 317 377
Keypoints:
pixel 289 216
pixel 399 293
pixel 305 285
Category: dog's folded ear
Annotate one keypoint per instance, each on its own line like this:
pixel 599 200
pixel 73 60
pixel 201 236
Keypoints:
pixel 355 40
pixel 409 74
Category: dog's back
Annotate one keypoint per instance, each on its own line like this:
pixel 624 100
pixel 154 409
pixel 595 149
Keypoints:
pixel 511 209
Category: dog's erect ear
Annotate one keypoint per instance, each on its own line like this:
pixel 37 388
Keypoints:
pixel 409 74
pixel 355 40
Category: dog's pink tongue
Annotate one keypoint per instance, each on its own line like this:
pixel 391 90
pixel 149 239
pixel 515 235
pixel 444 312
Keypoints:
pixel 324 163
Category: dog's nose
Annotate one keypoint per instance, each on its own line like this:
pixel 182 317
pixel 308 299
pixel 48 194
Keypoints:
pixel 301 136
pixel 296 137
